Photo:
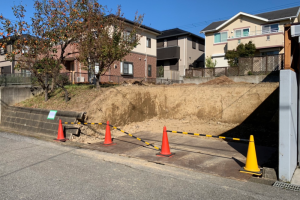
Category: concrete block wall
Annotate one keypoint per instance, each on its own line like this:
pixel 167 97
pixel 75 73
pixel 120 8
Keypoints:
pixel 35 120
pixel 15 94
pixel 247 79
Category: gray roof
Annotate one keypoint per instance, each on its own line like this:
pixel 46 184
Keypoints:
pixel 132 22
pixel 176 32
pixel 272 16
pixel 277 14
pixel 214 25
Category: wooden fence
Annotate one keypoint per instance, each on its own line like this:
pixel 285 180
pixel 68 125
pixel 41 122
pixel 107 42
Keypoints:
pixel 259 65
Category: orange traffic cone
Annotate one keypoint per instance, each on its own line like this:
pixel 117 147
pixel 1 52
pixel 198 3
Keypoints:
pixel 165 148
pixel 60 133
pixel 108 141
pixel 251 161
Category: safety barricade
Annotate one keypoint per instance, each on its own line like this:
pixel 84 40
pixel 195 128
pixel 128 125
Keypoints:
pixel 251 166
pixel 116 128
pixel 214 136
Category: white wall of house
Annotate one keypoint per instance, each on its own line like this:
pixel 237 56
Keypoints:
pixel 141 47
pixel 262 41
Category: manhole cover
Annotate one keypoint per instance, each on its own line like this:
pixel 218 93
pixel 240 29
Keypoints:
pixel 287 186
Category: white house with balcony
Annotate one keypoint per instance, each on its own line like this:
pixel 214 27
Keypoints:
pixel 265 30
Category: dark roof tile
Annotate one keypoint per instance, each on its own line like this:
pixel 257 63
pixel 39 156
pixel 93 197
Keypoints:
pixel 277 14
pixel 273 15
pixel 176 32
pixel 213 25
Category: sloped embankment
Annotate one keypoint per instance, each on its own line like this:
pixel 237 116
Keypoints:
pixel 231 103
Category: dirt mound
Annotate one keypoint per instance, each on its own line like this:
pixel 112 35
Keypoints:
pixel 222 80
pixel 230 103
pixel 122 105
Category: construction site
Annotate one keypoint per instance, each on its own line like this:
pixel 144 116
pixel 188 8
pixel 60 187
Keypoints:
pixel 220 107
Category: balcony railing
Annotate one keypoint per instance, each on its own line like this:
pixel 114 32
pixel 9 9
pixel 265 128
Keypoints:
pixel 168 53
pixel 257 32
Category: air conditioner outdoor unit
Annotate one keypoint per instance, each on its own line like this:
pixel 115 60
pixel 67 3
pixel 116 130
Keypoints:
pixel 80 79
pixel 295 30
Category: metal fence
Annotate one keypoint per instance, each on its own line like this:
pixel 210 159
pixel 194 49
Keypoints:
pixel 259 65
pixel 79 78
pixel 15 79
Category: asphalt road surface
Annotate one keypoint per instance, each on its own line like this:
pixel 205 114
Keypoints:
pixel 35 169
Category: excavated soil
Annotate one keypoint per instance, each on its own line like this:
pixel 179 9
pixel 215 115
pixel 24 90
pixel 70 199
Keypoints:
pixel 219 106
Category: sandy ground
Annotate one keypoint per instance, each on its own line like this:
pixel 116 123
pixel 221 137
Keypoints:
pixel 95 133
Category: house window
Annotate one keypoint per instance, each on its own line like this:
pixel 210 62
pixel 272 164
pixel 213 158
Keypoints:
pixel 25 73
pixel 127 68
pixel 268 53
pixel 194 44
pixel 149 70
pixel 160 43
pixel 148 42
pixel 172 41
pixel 129 37
pixel 126 36
pixel 242 33
pixel 201 47
pixel 220 37
pixel 270 28
pixel 2 51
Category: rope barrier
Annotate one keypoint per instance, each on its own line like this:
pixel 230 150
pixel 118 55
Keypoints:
pixel 73 123
pixel 221 137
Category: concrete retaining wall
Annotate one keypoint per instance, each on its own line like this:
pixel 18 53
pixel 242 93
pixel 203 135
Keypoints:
pixel 29 119
pixel 287 125
pixel 15 94
pixel 248 79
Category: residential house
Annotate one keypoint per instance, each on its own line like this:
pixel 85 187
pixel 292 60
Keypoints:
pixel 265 30
pixel 178 50
pixel 6 67
pixel 139 63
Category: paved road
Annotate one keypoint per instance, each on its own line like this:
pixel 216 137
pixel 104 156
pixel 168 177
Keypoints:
pixel 34 169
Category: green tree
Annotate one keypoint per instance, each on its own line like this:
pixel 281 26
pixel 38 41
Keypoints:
pixel 161 71
pixel 108 38
pixel 209 63
pixel 242 50
pixel 60 29
pixel 40 45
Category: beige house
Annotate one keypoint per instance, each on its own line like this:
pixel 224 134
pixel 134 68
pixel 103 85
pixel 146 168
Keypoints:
pixel 6 67
pixel 178 50
pixel 265 30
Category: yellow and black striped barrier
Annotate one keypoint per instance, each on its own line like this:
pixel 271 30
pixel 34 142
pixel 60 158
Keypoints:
pixel 78 123
pixel 74 123
pixel 198 134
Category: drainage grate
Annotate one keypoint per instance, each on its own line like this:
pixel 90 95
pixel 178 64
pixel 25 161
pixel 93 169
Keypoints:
pixel 287 186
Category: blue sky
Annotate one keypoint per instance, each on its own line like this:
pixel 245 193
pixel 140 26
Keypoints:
pixel 190 15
